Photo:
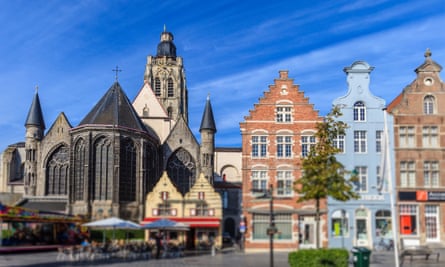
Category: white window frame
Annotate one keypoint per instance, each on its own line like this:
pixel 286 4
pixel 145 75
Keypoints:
pixel 341 217
pixel 339 143
pixel 259 146
pixel 259 179
pixel 407 174
pixel 432 226
pixel 307 143
pixel 360 141
pixel 378 141
pixel 430 136
pixel 362 175
pixel 431 174
pixel 286 189
pixel 428 105
pixel 359 112
pixel 284 146
pixel 407 136
pixel 283 114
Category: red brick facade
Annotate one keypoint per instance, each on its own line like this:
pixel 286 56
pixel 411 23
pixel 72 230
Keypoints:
pixel 419 115
pixel 273 135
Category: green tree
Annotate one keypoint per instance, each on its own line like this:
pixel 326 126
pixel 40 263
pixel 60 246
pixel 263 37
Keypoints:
pixel 323 175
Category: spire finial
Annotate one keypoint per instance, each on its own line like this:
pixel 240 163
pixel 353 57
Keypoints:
pixel 208 96
pixel 165 28
pixel 36 89
pixel 117 70
pixel 428 53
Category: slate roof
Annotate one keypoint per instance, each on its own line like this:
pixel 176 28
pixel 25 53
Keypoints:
pixel 35 115
pixel 208 122
pixel 114 108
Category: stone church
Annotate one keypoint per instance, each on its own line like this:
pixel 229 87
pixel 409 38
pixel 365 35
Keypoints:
pixel 107 164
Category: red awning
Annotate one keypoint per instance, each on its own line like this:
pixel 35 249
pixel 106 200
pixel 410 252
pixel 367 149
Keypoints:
pixel 193 222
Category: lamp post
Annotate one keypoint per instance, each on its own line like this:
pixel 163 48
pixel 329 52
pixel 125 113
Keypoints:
pixel 272 229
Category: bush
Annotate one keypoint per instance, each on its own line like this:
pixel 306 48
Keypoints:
pixel 319 257
pixel 97 235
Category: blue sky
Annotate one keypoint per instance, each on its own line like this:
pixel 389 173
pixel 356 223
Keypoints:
pixel 231 49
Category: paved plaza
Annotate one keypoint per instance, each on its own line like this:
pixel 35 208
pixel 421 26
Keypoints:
pixel 232 259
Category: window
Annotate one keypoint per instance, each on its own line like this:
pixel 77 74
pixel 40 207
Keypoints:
pixel 284 146
pixel 406 136
pixel 307 143
pixel 407 174
pixel 383 224
pixel 170 89
pixel 259 180
pixel 408 219
pixel 362 175
pixel 432 226
pixel 382 185
pixel 259 146
pixel 57 172
pixel 283 223
pixel 428 104
pixel 339 143
pixel 284 183
pixel 430 136
pixel 202 209
pixel 157 87
pixel 359 111
pixel 284 114
pixel 378 141
pixel 127 171
pixel 339 223
pixel 431 173
pixel 164 209
pixel 360 141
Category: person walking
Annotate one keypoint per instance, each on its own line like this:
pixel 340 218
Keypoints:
pixel 158 238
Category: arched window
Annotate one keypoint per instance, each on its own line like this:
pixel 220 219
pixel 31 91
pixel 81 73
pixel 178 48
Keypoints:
pixel 79 170
pixel 103 170
pixel 157 87
pixel 127 176
pixel 428 104
pixel 170 89
pixel 57 170
pixel 181 169
pixel 340 223
pixel 359 111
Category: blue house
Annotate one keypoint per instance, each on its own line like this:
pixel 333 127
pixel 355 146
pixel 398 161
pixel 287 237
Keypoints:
pixel 365 221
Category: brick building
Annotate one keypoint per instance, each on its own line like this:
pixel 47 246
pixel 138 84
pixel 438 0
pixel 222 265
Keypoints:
pixel 419 114
pixel 276 134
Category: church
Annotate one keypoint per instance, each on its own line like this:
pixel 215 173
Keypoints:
pixel 110 162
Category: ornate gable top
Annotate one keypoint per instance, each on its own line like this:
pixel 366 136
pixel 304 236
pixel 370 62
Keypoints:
pixel 429 65
pixel 114 108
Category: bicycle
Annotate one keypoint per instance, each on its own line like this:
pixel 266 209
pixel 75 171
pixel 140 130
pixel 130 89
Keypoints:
pixel 384 245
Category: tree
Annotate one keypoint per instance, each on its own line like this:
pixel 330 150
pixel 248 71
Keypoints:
pixel 323 175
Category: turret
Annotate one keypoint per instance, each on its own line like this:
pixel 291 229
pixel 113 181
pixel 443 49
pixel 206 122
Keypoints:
pixel 35 127
pixel 207 130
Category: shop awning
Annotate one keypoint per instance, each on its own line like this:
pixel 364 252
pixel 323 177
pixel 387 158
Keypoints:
pixel 193 222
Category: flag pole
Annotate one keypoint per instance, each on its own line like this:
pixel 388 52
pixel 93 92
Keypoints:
pixel 390 190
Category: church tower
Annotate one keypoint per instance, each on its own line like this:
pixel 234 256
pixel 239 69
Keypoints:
pixel 166 75
pixel 35 127
pixel 207 130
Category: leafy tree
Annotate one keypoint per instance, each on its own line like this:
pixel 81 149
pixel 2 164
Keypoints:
pixel 323 175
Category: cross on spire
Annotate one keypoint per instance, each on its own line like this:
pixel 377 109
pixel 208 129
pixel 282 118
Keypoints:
pixel 117 70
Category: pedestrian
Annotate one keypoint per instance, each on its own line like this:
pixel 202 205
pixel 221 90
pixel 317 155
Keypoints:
pixel 158 238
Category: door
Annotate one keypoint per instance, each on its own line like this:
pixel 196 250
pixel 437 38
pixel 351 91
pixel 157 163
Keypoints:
pixel 405 225
pixel 307 233
pixel 362 236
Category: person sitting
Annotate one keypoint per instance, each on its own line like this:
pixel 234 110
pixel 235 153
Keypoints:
pixel 85 243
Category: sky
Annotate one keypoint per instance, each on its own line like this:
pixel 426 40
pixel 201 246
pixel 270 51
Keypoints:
pixel 232 50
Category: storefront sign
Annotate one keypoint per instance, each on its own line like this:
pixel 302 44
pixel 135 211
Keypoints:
pixel 372 197
pixel 423 195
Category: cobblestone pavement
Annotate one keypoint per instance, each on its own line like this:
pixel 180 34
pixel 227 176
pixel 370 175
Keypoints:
pixel 232 259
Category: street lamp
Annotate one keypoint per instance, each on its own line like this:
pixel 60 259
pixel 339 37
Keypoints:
pixel 271 231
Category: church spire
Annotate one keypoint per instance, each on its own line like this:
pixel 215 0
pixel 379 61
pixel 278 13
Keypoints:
pixel 208 122
pixel 35 115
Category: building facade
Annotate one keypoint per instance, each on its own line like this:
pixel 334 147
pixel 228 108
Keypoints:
pixel 276 135
pixel 366 220
pixel 419 115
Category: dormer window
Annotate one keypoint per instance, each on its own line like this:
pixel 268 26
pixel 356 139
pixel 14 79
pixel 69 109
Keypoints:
pixel 428 104
pixel 359 111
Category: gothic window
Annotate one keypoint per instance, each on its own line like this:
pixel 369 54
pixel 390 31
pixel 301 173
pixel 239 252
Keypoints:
pixel 149 167
pixel 359 111
pixel 79 170
pixel 57 170
pixel 127 177
pixel 181 169
pixel 428 105
pixel 157 87
pixel 170 89
pixel 103 170
pixel 17 167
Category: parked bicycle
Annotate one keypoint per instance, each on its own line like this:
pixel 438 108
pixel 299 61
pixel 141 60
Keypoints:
pixel 384 244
